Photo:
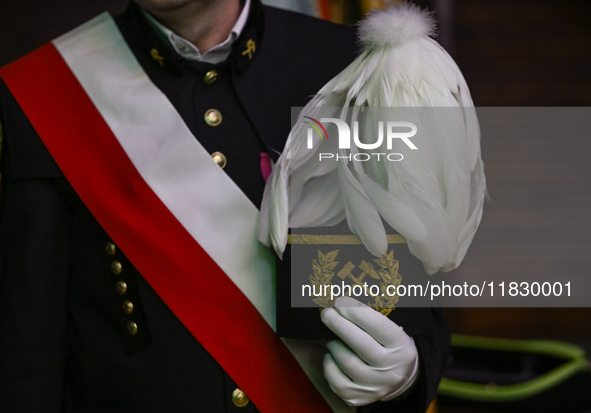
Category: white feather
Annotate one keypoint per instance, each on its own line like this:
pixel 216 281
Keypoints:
pixel 434 197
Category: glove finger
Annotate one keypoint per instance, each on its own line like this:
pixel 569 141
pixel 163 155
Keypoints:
pixel 353 366
pixel 381 328
pixel 351 392
pixel 357 339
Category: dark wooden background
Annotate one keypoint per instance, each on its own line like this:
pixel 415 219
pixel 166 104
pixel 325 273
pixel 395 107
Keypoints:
pixel 530 53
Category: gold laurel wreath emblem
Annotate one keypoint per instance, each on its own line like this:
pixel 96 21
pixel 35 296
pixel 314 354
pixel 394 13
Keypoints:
pixel 384 269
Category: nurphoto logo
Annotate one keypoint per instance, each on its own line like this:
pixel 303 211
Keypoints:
pixel 392 130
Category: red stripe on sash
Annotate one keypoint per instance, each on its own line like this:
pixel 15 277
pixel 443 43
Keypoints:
pixel 165 254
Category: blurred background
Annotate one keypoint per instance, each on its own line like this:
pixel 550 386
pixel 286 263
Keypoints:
pixel 512 53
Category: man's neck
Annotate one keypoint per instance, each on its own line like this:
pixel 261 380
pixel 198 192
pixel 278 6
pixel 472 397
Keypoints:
pixel 205 23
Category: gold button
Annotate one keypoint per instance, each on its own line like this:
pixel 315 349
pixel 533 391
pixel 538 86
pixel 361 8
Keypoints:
pixel 127 307
pixel 132 328
pixel 121 288
pixel 116 267
pixel 239 398
pixel 220 159
pixel 213 117
pixel 110 248
pixel 210 77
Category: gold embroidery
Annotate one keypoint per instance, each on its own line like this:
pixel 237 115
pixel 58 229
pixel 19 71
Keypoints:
pixel 303 239
pixel 157 57
pixel 323 274
pixel 250 48
pixel 387 272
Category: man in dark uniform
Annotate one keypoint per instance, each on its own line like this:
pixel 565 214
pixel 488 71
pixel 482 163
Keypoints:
pixel 80 328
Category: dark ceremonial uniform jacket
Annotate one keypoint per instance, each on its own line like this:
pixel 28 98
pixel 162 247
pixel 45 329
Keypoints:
pixel 68 340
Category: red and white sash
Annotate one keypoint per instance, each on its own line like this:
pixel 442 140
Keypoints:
pixel 177 216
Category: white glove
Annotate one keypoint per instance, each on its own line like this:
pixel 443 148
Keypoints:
pixel 379 361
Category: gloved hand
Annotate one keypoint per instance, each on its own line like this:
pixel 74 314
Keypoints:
pixel 376 359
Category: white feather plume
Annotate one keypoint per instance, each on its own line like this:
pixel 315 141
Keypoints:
pixel 434 197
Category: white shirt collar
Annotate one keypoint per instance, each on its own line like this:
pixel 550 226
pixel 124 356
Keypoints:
pixel 189 51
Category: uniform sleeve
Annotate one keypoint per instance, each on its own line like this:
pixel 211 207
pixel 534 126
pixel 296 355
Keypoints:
pixel 34 239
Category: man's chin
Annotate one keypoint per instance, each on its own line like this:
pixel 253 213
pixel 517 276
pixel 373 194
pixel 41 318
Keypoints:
pixel 155 6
